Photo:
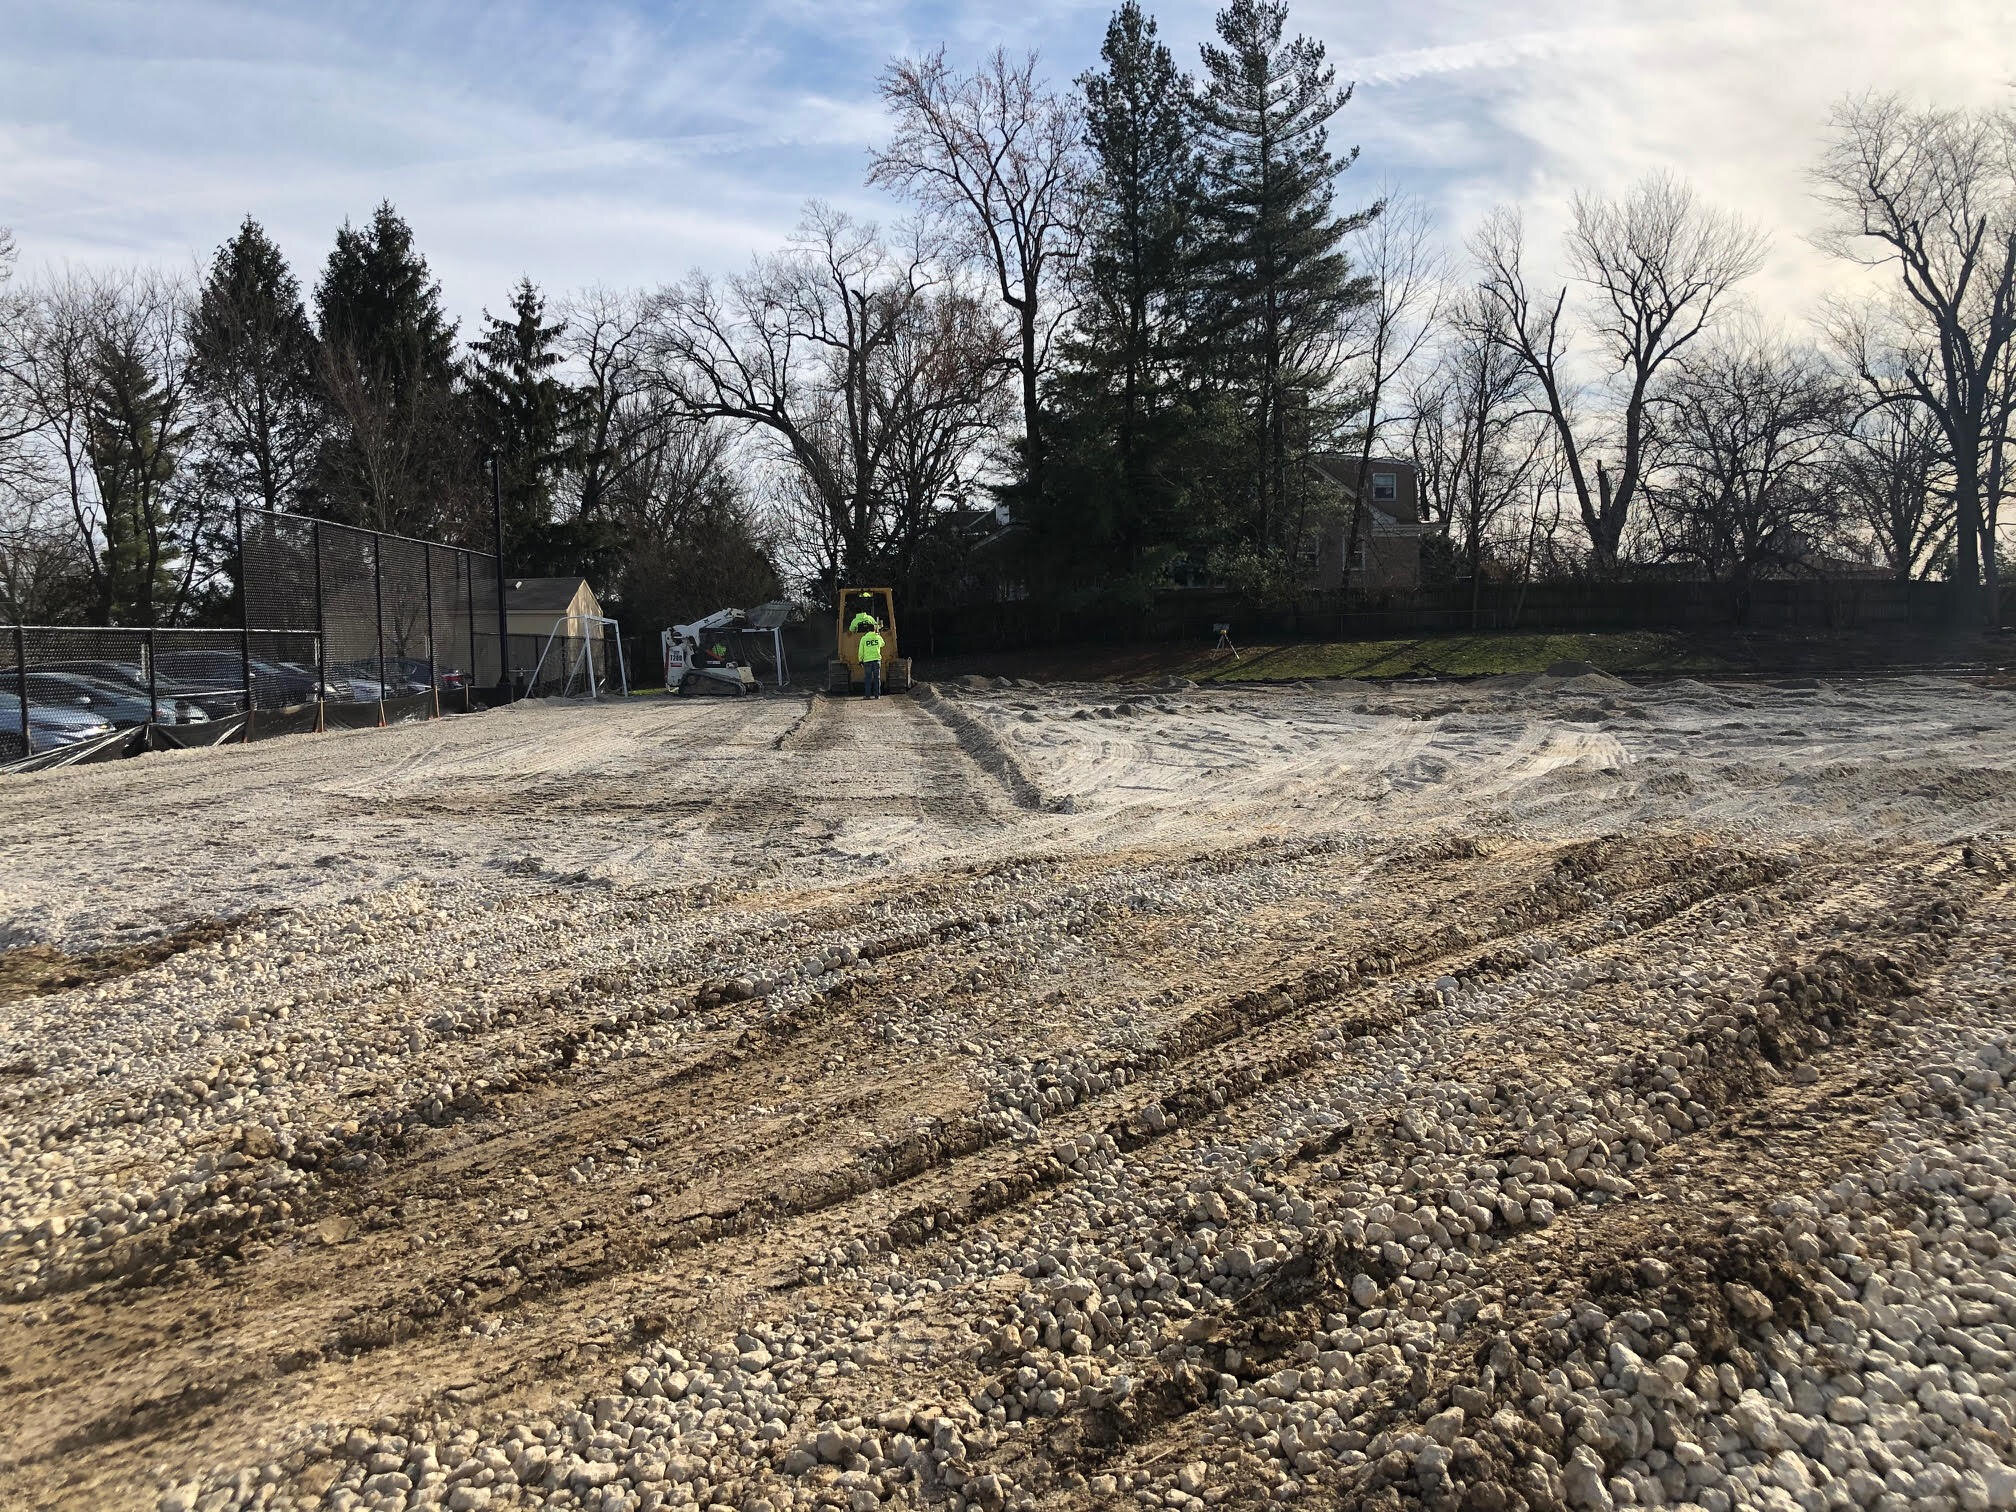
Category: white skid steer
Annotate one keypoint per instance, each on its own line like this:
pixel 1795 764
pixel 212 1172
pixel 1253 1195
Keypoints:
pixel 694 666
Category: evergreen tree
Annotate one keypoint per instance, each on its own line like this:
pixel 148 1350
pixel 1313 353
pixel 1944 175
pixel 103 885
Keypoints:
pixel 1138 127
pixel 378 300
pixel 134 435
pixel 1276 283
pixel 1117 415
pixel 401 455
pixel 252 367
pixel 524 415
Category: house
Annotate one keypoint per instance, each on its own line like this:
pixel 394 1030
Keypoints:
pixel 981 541
pixel 1389 531
pixel 532 606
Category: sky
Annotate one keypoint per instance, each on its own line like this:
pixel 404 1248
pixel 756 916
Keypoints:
pixel 586 142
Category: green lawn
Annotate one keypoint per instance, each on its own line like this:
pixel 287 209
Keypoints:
pixel 1620 652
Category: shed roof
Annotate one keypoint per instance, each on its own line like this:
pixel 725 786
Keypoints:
pixel 541 595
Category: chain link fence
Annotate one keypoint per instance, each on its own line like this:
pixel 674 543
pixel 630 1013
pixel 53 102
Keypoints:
pixel 341 628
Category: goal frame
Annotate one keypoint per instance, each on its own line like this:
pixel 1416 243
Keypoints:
pixel 567 622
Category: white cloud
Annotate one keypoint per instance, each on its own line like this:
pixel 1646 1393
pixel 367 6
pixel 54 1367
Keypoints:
pixel 601 141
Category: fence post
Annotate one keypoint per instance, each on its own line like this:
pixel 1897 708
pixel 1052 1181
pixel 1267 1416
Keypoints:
pixel 153 696
pixel 21 688
pixel 244 620
pixel 433 662
pixel 321 628
pixel 503 618
pixel 465 578
pixel 378 613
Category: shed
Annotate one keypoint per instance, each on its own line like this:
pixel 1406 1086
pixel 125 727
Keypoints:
pixel 532 606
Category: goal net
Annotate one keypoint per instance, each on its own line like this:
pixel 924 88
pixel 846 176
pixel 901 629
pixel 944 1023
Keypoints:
pixel 581 657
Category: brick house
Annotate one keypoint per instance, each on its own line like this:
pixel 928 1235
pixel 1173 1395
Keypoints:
pixel 1389 534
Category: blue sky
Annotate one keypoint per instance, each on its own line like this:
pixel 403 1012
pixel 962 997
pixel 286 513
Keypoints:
pixel 623 143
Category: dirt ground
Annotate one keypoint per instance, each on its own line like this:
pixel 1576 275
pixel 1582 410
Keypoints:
pixel 1002 1097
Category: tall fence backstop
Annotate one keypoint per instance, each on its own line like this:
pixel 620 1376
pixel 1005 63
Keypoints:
pixel 339 628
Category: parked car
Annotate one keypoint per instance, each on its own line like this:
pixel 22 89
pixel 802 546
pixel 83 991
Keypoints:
pixel 418 673
pixel 365 683
pixel 215 680
pixel 125 706
pixel 50 728
pixel 120 674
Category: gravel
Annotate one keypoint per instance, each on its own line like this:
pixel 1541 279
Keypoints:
pixel 1431 1099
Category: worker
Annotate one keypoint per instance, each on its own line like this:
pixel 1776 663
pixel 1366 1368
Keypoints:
pixel 871 664
pixel 863 620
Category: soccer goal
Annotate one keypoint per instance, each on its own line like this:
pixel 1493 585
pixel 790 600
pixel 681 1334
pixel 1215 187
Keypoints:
pixel 567 660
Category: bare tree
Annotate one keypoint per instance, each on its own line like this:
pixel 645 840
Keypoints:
pixel 1474 433
pixel 1657 267
pixel 45 575
pixel 996 155
pixel 1933 193
pixel 1396 254
pixel 834 353
pixel 607 341
pixel 1748 478
pixel 940 395
pixel 1890 466
pixel 101 367
pixel 1998 455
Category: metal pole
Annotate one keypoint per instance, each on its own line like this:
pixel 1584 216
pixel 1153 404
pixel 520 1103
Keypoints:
pixel 465 583
pixel 321 626
pixel 244 620
pixel 622 667
pixel 378 603
pixel 153 696
pixel 503 619
pixel 433 663
pixel 21 688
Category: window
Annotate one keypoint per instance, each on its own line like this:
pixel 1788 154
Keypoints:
pixel 1385 488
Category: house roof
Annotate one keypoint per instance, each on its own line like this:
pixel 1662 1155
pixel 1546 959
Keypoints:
pixel 1343 470
pixel 541 595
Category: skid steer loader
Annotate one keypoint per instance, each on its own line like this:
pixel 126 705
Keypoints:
pixel 861 608
pixel 691 670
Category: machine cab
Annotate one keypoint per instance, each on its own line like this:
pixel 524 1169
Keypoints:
pixel 859 606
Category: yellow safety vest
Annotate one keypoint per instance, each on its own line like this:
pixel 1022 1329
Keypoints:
pixel 871 646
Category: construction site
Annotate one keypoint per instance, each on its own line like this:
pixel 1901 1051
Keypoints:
pixel 1534 1092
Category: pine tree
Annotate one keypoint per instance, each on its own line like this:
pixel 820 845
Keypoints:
pixel 523 414
pixel 388 368
pixel 378 300
pixel 133 438
pixel 1115 418
pixel 252 366
pixel 1277 285
pixel 1138 125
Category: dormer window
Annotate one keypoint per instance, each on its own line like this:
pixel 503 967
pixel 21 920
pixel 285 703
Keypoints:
pixel 1385 487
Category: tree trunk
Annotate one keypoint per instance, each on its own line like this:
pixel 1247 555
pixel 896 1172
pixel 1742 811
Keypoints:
pixel 1029 405
pixel 1966 578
